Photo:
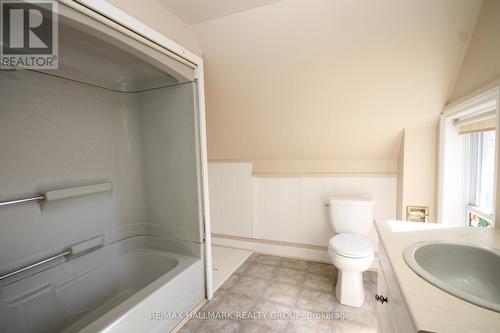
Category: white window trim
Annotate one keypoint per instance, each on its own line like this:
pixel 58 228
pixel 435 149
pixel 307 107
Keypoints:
pixel 479 212
pixel 473 165
pixel 483 102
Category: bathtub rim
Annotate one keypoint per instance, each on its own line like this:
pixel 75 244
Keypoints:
pixel 110 318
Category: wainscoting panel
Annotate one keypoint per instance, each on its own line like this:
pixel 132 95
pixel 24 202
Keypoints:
pixel 289 209
pixel 276 209
pixel 230 190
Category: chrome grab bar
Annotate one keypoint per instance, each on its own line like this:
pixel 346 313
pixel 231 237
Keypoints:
pixel 41 262
pixel 74 250
pixel 64 193
pixel 22 200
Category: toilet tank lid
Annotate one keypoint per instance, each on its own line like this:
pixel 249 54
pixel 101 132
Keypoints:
pixel 352 202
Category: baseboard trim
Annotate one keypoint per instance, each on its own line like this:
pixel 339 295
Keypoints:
pixel 271 242
pixel 279 248
pixel 323 174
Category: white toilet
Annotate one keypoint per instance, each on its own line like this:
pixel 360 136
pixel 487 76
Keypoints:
pixel 350 251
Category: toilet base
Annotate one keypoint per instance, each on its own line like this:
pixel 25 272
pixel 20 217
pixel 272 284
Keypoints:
pixel 349 288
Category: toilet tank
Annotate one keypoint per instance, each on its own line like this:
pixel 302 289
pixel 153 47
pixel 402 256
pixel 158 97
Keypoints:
pixel 351 215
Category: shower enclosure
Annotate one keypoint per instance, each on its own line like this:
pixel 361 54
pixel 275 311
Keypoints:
pixel 106 154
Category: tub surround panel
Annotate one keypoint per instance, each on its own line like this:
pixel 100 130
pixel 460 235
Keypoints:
pixel 170 153
pixel 67 134
pixel 119 110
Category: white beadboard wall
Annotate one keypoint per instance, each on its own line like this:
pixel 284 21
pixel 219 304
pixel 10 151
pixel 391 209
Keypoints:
pixel 230 192
pixel 288 209
pixel 276 209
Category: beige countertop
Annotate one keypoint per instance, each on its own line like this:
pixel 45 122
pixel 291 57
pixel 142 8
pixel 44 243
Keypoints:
pixel 431 308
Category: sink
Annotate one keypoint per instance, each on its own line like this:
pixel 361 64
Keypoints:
pixel 466 271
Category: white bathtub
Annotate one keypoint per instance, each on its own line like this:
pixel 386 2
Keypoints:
pixel 113 289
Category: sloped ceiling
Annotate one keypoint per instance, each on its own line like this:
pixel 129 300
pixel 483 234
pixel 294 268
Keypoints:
pixel 330 80
pixel 197 11
pixel 482 61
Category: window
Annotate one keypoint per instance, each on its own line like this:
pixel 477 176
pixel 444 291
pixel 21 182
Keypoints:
pixel 467 161
pixel 480 181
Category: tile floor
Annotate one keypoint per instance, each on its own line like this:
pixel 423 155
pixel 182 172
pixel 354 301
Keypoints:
pixel 278 286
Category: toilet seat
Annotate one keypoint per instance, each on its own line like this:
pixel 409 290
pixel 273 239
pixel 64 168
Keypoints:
pixel 350 246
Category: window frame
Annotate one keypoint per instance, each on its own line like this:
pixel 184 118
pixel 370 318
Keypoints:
pixel 452 153
pixel 474 159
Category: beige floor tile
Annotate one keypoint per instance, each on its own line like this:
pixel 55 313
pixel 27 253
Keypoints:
pixel 250 286
pixel 351 326
pixel 219 326
pixel 269 260
pixel 314 300
pixel 364 314
pixel 320 268
pixel 300 326
pixel 311 322
pixel 288 275
pixel 294 263
pixel 261 271
pixel 319 282
pixel 281 293
pixel 283 285
pixel 235 303
pixel 230 282
pixel 273 310
pixel 370 277
pixel 252 328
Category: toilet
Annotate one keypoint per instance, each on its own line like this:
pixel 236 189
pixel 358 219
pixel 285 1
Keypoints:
pixel 350 251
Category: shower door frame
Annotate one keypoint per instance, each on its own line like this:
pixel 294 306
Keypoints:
pixel 111 12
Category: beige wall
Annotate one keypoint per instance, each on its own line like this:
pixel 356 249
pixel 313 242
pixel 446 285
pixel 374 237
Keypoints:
pixel 290 91
pixel 400 210
pixel 417 178
pixel 153 14
pixel 328 85
pixel 482 61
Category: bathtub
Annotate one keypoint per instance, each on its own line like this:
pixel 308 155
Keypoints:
pixel 114 289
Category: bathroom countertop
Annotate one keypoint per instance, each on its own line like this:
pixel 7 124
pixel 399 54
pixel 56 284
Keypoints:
pixel 432 309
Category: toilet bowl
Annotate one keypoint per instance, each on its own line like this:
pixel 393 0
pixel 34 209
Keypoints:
pixel 352 255
pixel 350 251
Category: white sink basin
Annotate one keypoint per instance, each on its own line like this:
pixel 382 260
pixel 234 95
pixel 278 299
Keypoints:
pixel 469 272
